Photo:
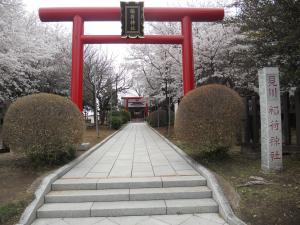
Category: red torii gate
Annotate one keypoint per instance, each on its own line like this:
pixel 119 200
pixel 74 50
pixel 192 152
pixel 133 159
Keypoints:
pixel 79 15
pixel 126 99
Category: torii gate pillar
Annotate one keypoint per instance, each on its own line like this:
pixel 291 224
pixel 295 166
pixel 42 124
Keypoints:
pixel 187 55
pixel 77 62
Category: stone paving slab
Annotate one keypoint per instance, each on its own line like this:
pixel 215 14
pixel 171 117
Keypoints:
pixel 136 151
pixel 186 219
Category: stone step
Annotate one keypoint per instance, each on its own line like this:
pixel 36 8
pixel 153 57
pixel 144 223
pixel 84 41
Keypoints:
pixel 75 196
pixel 127 208
pixel 124 183
pixel 110 195
pixel 170 193
pixel 186 206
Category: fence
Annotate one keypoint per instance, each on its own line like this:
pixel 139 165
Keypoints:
pixel 290 114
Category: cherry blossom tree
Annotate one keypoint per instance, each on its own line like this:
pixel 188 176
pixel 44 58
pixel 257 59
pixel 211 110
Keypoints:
pixel 34 57
pixel 103 80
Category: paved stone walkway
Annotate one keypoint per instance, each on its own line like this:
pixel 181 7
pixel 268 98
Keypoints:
pixel 134 162
pixel 186 219
pixel 136 151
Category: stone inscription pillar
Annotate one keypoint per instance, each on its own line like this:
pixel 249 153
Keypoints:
pixel 270 114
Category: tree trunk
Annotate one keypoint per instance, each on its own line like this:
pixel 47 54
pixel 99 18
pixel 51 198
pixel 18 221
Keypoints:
pixel 95 106
pixel 167 105
pixel 102 117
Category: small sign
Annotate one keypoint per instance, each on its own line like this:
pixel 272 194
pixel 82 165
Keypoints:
pixel 136 103
pixel 132 18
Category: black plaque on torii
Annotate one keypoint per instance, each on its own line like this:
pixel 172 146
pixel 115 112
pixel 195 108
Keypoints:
pixel 132 19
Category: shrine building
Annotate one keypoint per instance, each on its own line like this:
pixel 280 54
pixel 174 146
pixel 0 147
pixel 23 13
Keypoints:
pixel 137 106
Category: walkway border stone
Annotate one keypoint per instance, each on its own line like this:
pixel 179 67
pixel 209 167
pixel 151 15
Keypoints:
pixel 30 213
pixel 218 195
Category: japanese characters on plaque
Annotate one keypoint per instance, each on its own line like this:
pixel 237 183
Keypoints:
pixel 270 111
pixel 132 18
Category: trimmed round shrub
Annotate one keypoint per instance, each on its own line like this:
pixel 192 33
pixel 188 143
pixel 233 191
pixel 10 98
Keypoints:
pixel 45 127
pixel 208 119
pixel 116 122
pixel 163 118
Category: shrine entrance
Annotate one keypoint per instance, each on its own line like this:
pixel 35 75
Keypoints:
pixel 137 107
pixel 79 15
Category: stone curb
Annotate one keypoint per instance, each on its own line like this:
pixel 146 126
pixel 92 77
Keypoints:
pixel 29 214
pixel 218 195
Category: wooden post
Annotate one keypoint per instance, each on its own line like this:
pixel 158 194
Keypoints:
pixel 255 129
pixel 285 112
pixel 246 122
pixel 297 113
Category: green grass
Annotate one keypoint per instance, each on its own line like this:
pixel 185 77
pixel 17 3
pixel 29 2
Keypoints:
pixel 10 212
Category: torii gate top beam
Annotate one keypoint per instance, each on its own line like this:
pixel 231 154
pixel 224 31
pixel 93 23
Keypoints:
pixel 114 13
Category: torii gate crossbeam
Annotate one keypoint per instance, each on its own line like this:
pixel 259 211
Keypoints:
pixel 79 15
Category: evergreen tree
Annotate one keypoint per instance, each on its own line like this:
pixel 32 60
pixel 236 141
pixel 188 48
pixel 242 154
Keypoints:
pixel 272 28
